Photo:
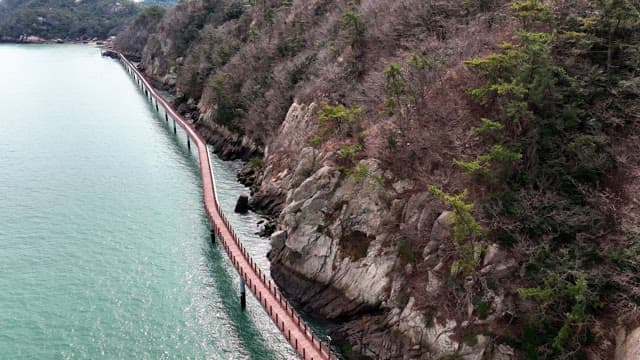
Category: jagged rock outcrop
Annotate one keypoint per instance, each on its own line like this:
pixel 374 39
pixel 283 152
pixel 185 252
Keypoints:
pixel 335 252
pixel 281 172
pixel 334 240
pixel 227 144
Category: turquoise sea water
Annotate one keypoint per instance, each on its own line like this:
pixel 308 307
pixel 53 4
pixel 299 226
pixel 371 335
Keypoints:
pixel 104 245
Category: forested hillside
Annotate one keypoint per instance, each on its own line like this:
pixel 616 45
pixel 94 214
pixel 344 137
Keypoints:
pixel 450 179
pixel 65 19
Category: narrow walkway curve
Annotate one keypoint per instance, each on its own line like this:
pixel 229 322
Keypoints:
pixel 294 329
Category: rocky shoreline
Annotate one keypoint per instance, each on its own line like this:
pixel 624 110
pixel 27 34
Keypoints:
pixel 357 293
pixel 359 240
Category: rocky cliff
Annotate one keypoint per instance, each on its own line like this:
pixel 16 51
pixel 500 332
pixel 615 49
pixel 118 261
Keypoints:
pixel 336 253
pixel 448 179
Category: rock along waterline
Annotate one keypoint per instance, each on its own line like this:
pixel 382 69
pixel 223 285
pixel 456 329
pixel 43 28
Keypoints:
pixel 104 246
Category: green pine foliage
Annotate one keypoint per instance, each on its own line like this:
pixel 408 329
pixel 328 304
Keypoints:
pixel 521 75
pixel 489 126
pixel 564 304
pixel 394 88
pixel 354 26
pixel 530 11
pixel 547 151
pixel 347 152
pixel 612 35
pixel 493 164
pixel 466 231
pixel 338 120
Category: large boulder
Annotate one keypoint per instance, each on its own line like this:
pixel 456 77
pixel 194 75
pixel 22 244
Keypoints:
pixel 441 232
pixel 242 205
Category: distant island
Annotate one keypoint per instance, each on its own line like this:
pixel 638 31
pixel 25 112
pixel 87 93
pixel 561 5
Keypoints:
pixel 68 20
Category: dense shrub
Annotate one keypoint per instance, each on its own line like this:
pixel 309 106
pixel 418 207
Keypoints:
pixel 136 37
pixel 540 111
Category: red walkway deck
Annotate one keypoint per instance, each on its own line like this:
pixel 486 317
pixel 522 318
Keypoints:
pixel 288 321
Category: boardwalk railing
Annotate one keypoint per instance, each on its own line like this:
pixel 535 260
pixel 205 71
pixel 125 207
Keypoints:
pixel 292 326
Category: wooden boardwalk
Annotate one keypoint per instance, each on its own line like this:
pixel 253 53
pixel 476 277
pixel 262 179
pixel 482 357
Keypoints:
pixel 294 329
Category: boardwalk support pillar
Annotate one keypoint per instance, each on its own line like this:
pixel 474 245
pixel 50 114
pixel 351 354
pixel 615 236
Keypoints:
pixel 299 336
pixel 243 294
pixel 188 143
pixel 174 127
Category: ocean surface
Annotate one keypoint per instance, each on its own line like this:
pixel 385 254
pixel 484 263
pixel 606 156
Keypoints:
pixel 104 244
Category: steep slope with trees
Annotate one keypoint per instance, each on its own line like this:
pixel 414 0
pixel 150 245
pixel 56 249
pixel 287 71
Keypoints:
pixel 450 179
pixel 133 41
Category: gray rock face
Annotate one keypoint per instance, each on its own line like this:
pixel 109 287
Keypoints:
pixel 306 166
pixel 441 232
pixel 442 228
pixel 227 144
pixel 493 255
pixel 419 214
pixel 321 218
pixel 402 186
pixel 287 149
pixel 277 240
pixel 628 345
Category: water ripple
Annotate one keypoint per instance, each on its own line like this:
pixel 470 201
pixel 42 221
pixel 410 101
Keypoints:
pixel 104 246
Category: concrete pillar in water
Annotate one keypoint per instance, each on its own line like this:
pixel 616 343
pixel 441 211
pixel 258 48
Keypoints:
pixel 157 105
pixel 166 116
pixel 188 143
pixel 243 294
pixel 174 127
pixel 213 235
